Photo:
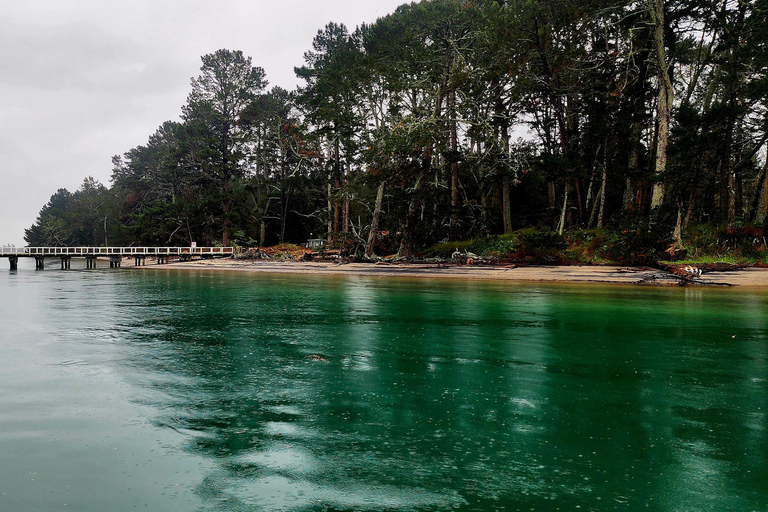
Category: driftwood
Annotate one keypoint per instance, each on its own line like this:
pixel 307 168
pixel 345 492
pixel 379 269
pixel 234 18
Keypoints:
pixel 688 275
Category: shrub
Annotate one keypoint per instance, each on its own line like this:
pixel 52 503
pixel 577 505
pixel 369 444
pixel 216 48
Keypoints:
pixel 495 247
pixel 346 243
pixel 745 240
pixel 541 247
pixel 445 249
pixel 635 247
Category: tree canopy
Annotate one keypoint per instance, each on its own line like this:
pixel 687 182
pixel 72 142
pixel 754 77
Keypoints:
pixel 454 119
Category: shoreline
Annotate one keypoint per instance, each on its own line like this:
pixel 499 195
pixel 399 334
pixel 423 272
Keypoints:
pixel 575 274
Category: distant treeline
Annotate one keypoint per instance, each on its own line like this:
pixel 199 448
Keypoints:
pixel 450 120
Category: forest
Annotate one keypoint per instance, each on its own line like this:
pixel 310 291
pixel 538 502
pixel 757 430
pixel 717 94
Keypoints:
pixel 631 127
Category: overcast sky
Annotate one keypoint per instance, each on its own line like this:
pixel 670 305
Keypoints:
pixel 82 80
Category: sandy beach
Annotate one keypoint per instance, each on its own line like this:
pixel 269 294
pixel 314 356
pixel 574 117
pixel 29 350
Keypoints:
pixel 747 277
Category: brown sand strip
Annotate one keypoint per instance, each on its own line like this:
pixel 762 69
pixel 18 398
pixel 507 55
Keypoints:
pixel 751 277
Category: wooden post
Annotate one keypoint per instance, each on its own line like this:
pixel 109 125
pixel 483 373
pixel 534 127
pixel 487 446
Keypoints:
pixel 39 263
pixel 14 260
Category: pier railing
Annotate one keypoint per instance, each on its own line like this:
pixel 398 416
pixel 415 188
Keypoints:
pixel 114 251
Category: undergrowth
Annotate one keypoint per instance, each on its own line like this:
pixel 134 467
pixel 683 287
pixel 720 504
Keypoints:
pixel 705 244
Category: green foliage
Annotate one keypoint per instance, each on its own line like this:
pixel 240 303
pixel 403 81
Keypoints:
pixel 639 246
pixel 497 246
pixel 541 247
pixel 738 243
pixel 87 217
pixel 494 247
pixel 429 101
pixel 444 250
pixel 632 247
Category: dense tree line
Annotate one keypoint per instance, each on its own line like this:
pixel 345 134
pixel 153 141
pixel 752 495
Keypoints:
pixel 452 119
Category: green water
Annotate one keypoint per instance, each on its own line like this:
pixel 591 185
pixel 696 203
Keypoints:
pixel 161 390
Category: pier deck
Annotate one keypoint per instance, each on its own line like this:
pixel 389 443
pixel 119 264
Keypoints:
pixel 115 254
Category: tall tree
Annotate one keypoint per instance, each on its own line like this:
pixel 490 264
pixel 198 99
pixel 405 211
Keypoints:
pixel 53 225
pixel 329 97
pixel 220 94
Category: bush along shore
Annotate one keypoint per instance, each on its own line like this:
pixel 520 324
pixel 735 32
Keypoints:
pixel 705 246
pixel 705 249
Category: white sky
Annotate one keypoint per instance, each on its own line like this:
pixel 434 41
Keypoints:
pixel 82 80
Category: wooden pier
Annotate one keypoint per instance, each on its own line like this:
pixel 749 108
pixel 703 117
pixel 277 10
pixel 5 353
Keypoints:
pixel 115 254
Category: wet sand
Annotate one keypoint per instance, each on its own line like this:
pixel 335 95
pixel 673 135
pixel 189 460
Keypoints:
pixel 748 277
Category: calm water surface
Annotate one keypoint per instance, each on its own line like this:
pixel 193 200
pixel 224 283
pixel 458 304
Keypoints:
pixel 193 391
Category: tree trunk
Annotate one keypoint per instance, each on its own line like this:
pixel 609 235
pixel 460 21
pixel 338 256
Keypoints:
pixel 678 232
pixel 284 196
pixel 731 195
pixel 728 179
pixel 506 207
pixel 600 215
pixel 225 204
pixel 689 211
pixel 579 202
pixel 375 222
pixel 629 196
pixel 738 176
pixel 345 195
pixel 634 161
pixel 762 206
pixel 454 164
pixel 330 192
pixel 406 247
pixel 283 201
pixel 551 199
pixel 330 208
pixel 561 224
pixel 664 103
pixel 593 213
pixel 503 168
pixel 336 185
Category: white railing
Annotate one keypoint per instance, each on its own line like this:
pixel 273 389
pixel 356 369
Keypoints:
pixel 11 250
pixel 115 251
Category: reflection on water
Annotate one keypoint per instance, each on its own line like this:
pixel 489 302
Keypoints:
pixel 236 392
